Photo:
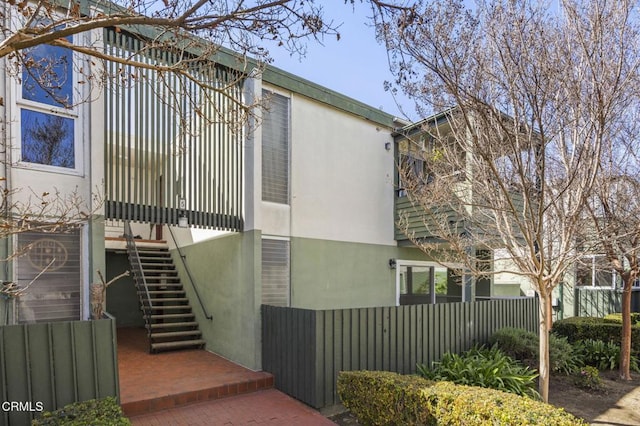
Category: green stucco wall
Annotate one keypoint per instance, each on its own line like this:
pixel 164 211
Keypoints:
pixel 122 298
pixel 227 271
pixel 335 275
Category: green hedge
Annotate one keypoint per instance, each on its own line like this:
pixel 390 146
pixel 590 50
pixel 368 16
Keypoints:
pixel 617 318
pixel 385 398
pixel 95 412
pixel 576 329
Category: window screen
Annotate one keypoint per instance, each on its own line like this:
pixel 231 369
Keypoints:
pixel 275 149
pixel 275 272
pixel 55 294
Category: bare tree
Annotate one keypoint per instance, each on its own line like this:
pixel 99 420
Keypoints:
pixel 612 228
pixel 531 92
pixel 194 32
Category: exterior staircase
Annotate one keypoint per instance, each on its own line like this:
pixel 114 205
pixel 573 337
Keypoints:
pixel 169 318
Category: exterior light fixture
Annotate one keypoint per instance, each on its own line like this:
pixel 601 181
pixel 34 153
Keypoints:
pixel 387 146
pixel 392 264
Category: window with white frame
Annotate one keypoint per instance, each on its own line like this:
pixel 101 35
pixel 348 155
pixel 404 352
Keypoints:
pixel 48 116
pixel 419 282
pixel 595 271
pixel 275 272
pixel 275 149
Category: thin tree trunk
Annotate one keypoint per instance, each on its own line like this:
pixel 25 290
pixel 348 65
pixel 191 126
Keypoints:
pixel 625 341
pixel 543 370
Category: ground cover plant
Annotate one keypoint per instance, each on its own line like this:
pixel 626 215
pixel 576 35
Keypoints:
pixel 95 412
pixel 602 355
pixel 484 367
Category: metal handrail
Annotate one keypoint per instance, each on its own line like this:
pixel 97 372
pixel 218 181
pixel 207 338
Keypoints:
pixel 183 257
pixel 134 259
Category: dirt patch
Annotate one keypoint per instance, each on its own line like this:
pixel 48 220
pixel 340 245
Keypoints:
pixel 617 403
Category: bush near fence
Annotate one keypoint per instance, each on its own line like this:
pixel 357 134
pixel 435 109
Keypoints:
pixel 582 328
pixel 305 349
pixel 388 398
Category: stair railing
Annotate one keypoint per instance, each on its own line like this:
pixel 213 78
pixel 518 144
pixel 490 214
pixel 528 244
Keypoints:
pixel 183 257
pixel 136 267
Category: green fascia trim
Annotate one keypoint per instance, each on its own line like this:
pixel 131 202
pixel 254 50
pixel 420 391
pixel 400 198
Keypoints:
pixel 418 127
pixel 296 84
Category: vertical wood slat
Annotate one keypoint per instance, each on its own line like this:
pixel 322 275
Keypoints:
pixel 161 148
pixel 56 364
pixel 306 349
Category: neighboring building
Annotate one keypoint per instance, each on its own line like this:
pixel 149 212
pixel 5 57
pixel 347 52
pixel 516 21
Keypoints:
pixel 297 211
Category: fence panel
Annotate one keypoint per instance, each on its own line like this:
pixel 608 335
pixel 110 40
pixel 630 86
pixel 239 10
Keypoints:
pixel 305 349
pixel 55 364
pixel 598 302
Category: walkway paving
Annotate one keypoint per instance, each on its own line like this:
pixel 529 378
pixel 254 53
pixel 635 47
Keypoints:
pixel 166 380
pixel 197 387
pixel 269 407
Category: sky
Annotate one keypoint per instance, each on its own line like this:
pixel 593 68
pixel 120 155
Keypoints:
pixel 355 66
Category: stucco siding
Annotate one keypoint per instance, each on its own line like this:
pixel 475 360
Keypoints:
pixel 338 274
pixel 224 270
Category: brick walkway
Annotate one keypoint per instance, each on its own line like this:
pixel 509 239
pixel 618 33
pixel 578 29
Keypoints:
pixel 197 387
pixel 269 407
pixel 156 382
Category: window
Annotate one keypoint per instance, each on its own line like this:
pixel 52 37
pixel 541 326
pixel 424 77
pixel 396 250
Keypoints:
pixel 54 295
pixel 275 272
pixel 594 271
pixel 47 114
pixel 275 149
pixel 427 283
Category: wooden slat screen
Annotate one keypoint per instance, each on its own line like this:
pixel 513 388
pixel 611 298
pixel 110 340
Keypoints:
pixel 173 143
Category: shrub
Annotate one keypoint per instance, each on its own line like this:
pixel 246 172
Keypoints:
pixel 563 356
pixel 588 378
pixel 602 355
pixel 384 398
pixel 523 345
pixel 95 412
pixel 617 318
pixel 583 328
pixel 516 342
pixel 486 368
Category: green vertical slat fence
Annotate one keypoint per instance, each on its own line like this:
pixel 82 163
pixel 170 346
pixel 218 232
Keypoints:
pixel 598 302
pixel 305 349
pixel 56 364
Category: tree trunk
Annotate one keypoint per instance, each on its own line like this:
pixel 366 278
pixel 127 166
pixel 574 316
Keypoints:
pixel 543 370
pixel 625 340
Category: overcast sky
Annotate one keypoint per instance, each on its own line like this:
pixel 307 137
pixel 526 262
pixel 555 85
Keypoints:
pixel 355 66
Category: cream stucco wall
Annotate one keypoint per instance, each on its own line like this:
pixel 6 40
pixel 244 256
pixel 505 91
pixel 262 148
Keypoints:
pixel 341 177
